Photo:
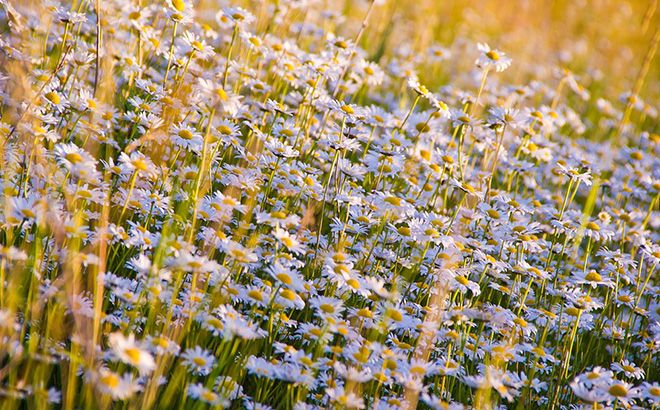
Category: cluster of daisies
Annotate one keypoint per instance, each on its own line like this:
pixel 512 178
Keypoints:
pixel 246 210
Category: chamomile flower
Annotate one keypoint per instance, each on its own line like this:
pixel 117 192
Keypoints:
pixel 198 360
pixel 289 241
pixel 628 369
pixel 287 277
pixel 129 351
pixel 197 45
pixel 238 252
pixel 119 387
pixel 187 137
pixel 491 58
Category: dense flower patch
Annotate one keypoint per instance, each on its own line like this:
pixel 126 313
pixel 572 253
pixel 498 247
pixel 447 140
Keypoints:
pixel 203 210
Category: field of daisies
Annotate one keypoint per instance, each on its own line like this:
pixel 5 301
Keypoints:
pixel 316 205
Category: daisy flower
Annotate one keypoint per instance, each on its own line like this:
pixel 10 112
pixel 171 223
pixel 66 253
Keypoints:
pixel 129 351
pixel 491 58
pixel 198 360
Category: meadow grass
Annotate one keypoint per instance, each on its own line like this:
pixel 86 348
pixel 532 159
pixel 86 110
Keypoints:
pixel 288 204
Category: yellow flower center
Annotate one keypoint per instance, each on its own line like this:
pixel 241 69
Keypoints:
pixel 256 294
pixel 214 322
pixel 53 97
pixel 224 129
pixel 493 55
pixel 394 315
pixel 133 354
pixel 493 214
pixel 637 155
pixel 593 276
pixel 347 109
pixel 288 294
pixel 209 395
pixel 179 5
pixel 341 44
pixel 404 231
pixel 327 308
pixel 222 94
pixel 284 278
pixel 618 390
pixel 462 280
pixel 111 380
pixel 593 226
pixel 73 157
pixel 28 213
pixel 185 134
pixel 572 311
pixel 392 200
pixel 140 164
pixel 288 242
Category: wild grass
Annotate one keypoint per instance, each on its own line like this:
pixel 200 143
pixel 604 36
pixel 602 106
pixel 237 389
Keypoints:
pixel 311 204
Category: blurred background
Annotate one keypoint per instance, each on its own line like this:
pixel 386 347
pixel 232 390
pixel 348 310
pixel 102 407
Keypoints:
pixel 604 43
pixel 607 40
